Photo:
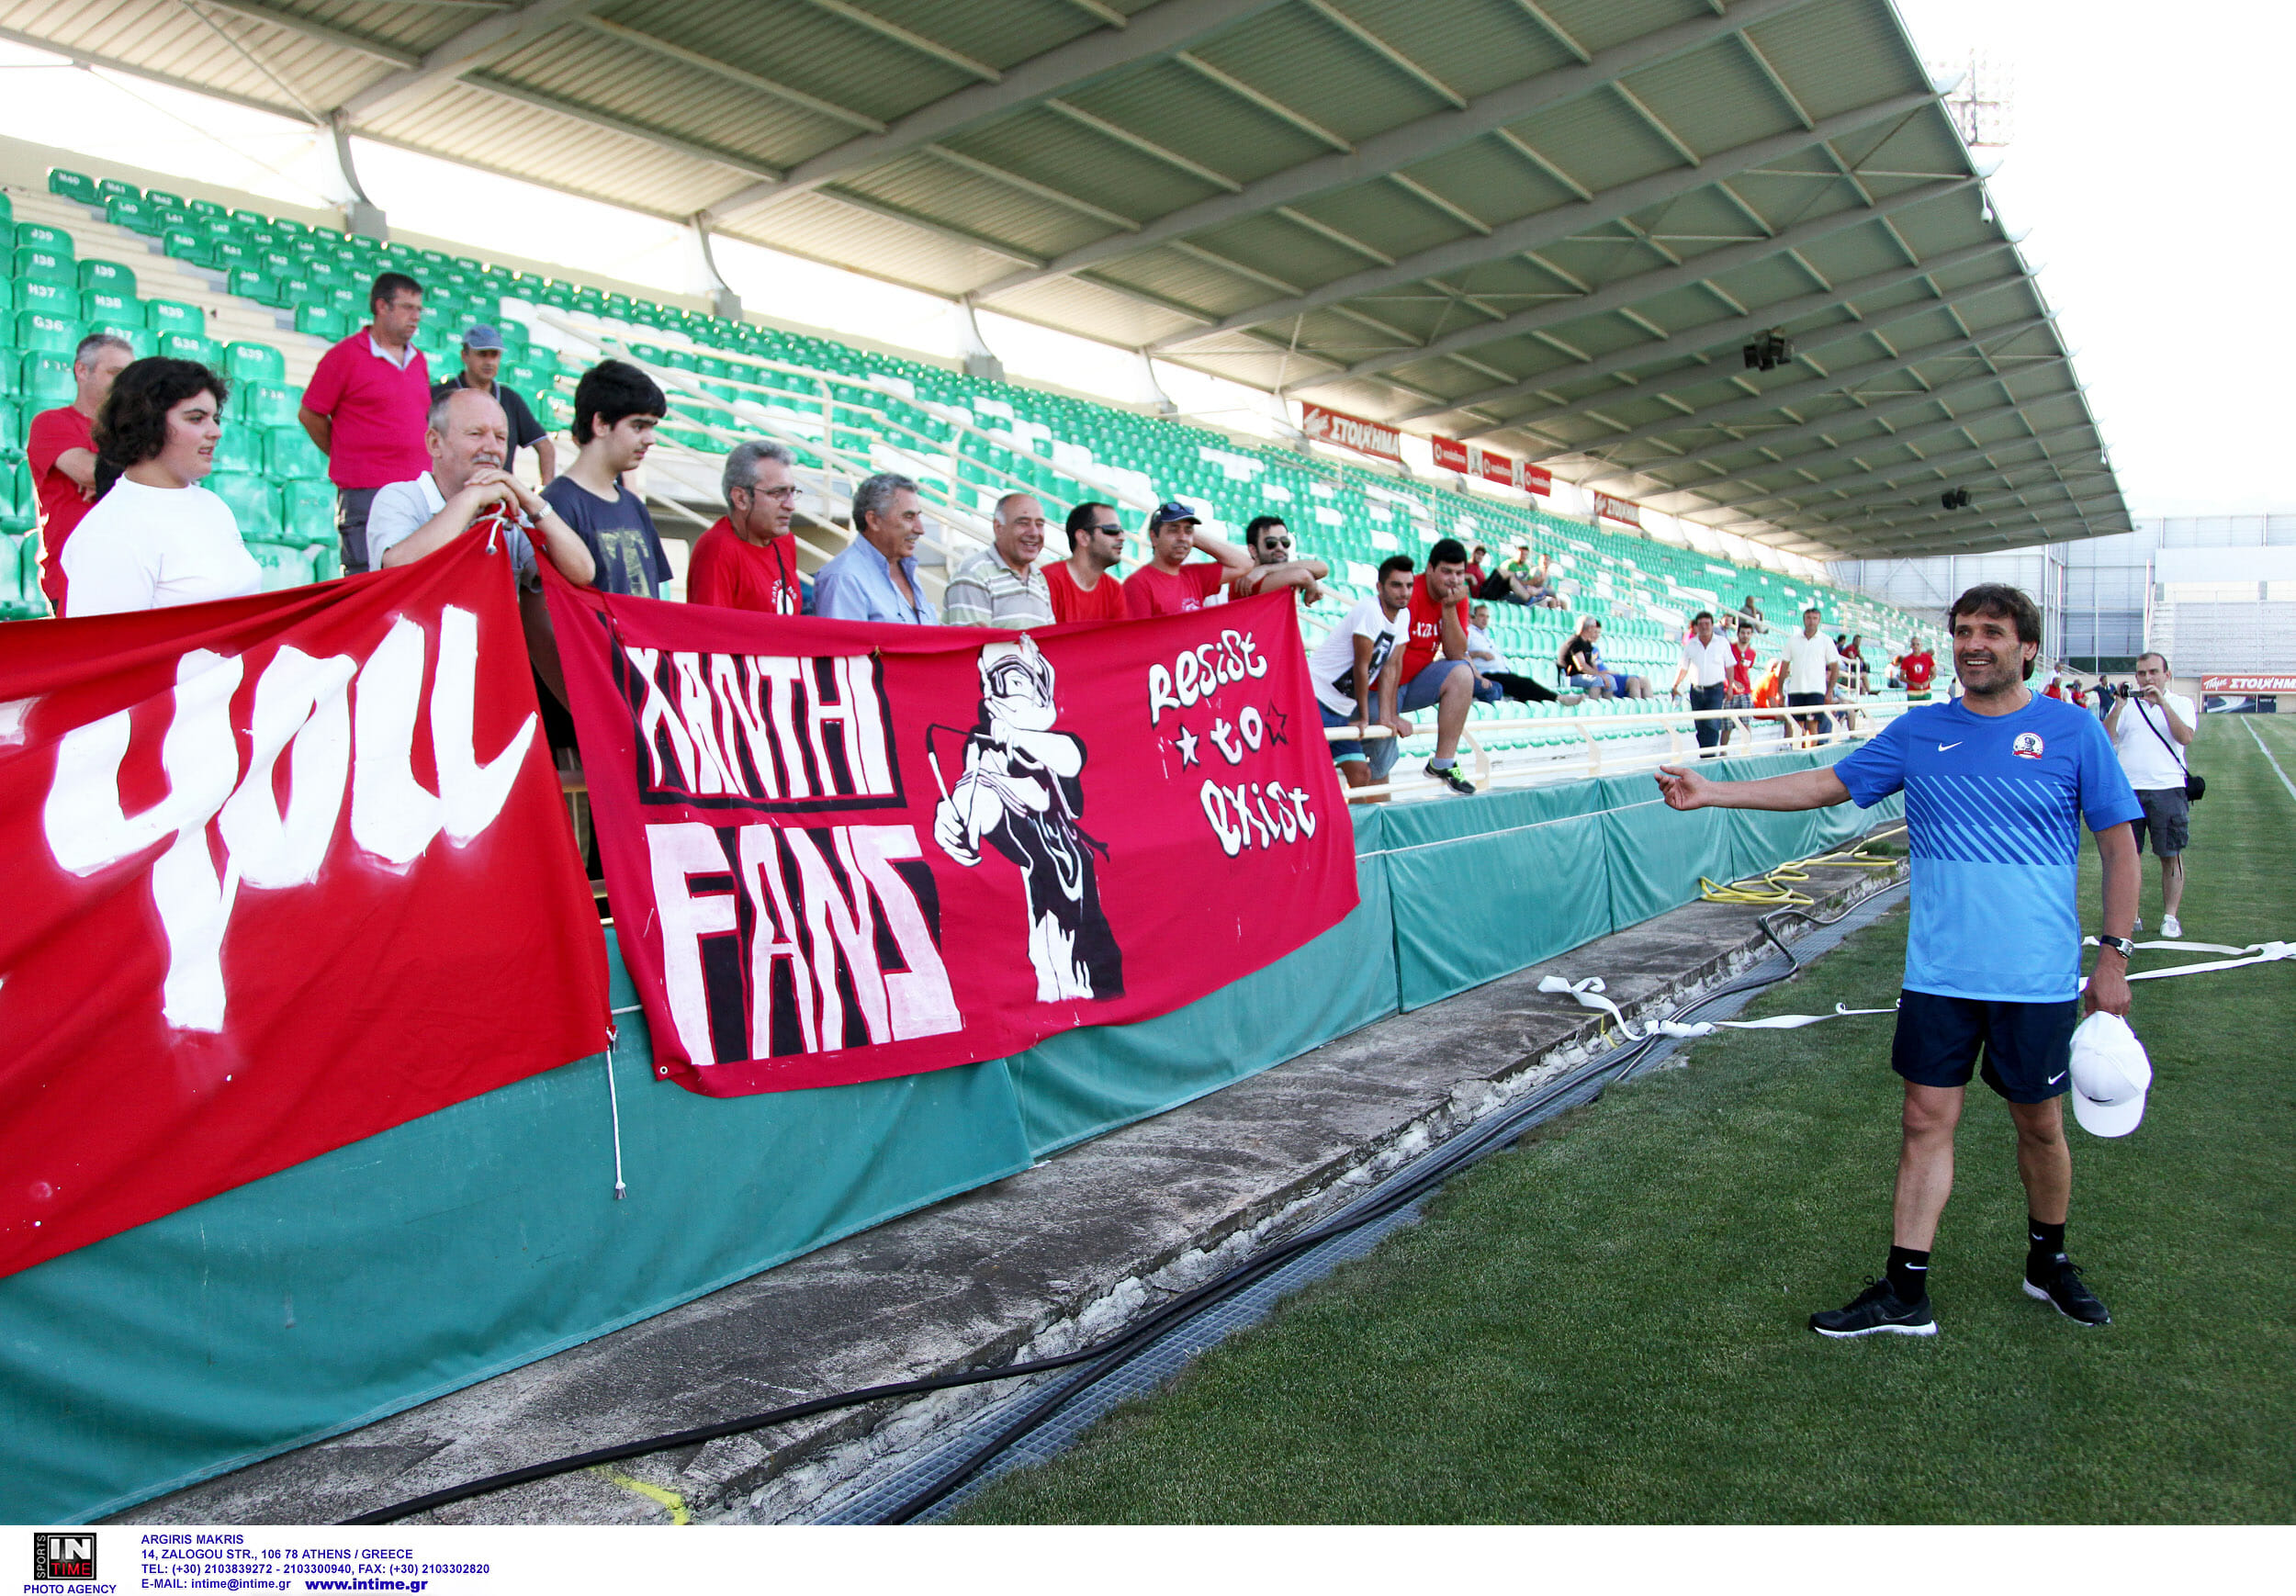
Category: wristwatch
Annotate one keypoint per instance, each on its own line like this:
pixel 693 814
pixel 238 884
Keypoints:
pixel 2121 945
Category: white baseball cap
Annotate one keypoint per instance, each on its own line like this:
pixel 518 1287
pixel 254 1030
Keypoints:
pixel 2110 1075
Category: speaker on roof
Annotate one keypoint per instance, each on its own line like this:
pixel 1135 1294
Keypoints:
pixel 1769 349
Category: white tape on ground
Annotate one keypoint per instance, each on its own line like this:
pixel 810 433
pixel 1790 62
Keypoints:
pixel 1589 994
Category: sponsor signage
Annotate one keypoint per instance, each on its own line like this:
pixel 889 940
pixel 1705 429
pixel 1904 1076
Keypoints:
pixel 1621 509
pixel 1374 438
pixel 1450 455
pixel 1467 460
pixel 1497 468
pixel 2248 683
pixel 1537 479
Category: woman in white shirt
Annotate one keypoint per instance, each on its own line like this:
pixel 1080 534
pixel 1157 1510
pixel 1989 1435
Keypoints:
pixel 154 537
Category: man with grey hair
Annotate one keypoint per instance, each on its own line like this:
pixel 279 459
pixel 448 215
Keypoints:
pixel 468 438
pixel 875 578
pixel 747 559
pixel 1000 586
pixel 60 451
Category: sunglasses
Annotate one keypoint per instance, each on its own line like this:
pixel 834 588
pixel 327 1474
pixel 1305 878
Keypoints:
pixel 1111 531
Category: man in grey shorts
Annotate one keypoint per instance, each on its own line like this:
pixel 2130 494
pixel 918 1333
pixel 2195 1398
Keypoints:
pixel 2152 730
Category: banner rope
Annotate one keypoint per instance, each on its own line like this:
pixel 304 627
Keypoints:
pixel 613 1095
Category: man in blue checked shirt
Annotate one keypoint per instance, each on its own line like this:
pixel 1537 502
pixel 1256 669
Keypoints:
pixel 1996 785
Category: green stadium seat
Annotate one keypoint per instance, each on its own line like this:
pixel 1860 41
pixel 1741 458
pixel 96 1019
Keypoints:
pixel 163 316
pixel 251 284
pixel 254 502
pixel 287 224
pixel 110 305
pixel 131 331
pixel 327 322
pixel 242 448
pixel 46 380
pixel 185 244
pixel 38 264
pixel 40 332
pixel 204 208
pixel 73 185
pixel 327 559
pixel 164 201
pixel 133 213
pixel 282 567
pixel 247 218
pixel 268 404
pixel 111 188
pixel 108 275
pixel 293 456
pixel 188 347
pixel 307 510
pixel 13 423
pixel 253 363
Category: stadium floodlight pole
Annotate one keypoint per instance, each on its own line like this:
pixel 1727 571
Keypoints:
pixel 1726 336
pixel 1156 31
pixel 1827 424
pixel 1404 146
pixel 1542 229
pixel 1971 345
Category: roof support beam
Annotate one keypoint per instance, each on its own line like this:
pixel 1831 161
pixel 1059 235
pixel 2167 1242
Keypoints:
pixel 1999 480
pixel 2001 516
pixel 1722 334
pixel 1898 478
pixel 1625 291
pixel 1158 31
pixel 733 161
pixel 1414 141
pixel 482 41
pixel 1770 400
pixel 1544 228
pixel 2009 533
pixel 1826 426
pixel 702 62
pixel 311 29
pixel 1855 450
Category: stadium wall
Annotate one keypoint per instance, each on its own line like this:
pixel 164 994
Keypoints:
pixel 486 1236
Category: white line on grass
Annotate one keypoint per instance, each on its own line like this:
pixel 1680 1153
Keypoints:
pixel 2268 759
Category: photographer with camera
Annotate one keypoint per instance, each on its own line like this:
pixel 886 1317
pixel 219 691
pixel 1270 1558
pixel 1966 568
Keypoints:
pixel 2151 728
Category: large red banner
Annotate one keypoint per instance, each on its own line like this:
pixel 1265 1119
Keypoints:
pixel 838 852
pixel 282 871
pixel 1374 438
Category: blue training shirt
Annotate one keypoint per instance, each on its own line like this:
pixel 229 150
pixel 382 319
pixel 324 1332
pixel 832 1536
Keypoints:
pixel 1993 811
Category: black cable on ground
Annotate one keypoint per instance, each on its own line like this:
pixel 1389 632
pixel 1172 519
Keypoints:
pixel 1436 1167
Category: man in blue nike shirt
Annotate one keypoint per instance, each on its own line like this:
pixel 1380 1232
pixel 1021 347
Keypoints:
pixel 1996 784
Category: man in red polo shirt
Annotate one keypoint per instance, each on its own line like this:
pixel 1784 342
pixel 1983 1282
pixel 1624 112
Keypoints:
pixel 368 407
pixel 1447 685
pixel 748 560
pixel 1917 665
pixel 1084 585
pixel 60 451
pixel 1168 585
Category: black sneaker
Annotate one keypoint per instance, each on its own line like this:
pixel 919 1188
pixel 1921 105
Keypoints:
pixel 1876 1311
pixel 1449 776
pixel 2072 1300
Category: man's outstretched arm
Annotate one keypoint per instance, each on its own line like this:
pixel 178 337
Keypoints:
pixel 1815 789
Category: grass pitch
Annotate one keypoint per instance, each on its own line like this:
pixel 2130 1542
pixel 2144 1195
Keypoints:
pixel 1607 1325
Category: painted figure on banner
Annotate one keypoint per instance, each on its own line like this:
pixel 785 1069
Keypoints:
pixel 1022 793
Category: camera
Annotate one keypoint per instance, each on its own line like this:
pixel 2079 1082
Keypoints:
pixel 2121 689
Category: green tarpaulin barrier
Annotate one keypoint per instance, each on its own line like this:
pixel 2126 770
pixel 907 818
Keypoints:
pixel 487 1235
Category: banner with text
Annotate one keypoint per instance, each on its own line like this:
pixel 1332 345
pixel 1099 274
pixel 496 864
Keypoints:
pixel 1374 438
pixel 1621 509
pixel 2265 684
pixel 282 872
pixel 838 852
pixel 1472 460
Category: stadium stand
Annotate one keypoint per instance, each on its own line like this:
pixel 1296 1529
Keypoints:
pixel 260 298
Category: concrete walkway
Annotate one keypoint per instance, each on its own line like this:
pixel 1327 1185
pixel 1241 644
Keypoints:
pixel 1036 1265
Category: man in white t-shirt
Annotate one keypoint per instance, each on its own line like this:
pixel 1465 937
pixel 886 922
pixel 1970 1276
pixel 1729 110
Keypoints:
pixel 1812 666
pixel 2151 729
pixel 1707 664
pixel 1357 669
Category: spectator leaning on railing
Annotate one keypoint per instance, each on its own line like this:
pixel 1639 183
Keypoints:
pixel 748 558
pixel 1357 669
pixel 1000 586
pixel 1084 585
pixel 1168 584
pixel 467 439
pixel 873 577
pixel 365 407
pixel 616 409
pixel 1268 541
pixel 60 452
pixel 156 538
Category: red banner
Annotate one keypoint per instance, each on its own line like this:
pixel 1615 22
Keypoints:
pixel 1625 510
pixel 1450 455
pixel 283 872
pixel 1536 478
pixel 2264 684
pixel 1496 467
pixel 840 851
pixel 1374 438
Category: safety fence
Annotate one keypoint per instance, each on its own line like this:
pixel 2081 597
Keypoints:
pixel 490 1234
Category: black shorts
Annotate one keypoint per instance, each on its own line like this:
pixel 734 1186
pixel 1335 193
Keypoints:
pixel 2167 822
pixel 2028 1047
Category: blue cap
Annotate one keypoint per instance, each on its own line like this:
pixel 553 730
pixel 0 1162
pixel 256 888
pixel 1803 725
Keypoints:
pixel 482 337
pixel 1171 509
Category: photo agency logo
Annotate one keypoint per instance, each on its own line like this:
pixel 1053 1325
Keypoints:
pixel 63 1557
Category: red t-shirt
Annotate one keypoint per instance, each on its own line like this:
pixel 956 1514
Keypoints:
pixel 729 570
pixel 379 412
pixel 1916 669
pixel 1149 591
pixel 55 434
pixel 1426 627
pixel 1740 676
pixel 1105 601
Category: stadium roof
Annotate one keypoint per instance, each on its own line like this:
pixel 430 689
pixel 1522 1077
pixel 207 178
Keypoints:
pixel 1548 225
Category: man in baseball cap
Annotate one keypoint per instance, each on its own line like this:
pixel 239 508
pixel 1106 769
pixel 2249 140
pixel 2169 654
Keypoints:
pixel 482 361
pixel 1167 584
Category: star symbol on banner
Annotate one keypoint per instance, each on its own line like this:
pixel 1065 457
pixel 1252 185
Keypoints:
pixel 1185 743
pixel 1276 722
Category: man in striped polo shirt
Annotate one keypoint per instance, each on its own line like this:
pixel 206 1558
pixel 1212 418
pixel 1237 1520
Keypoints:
pixel 1000 586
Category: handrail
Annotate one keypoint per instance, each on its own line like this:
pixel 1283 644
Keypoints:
pixel 1886 709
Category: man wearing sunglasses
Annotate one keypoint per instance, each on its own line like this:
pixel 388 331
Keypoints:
pixel 1084 585
pixel 748 560
pixel 1270 543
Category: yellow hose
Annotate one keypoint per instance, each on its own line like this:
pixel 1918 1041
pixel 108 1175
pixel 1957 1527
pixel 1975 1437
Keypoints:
pixel 1774 889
